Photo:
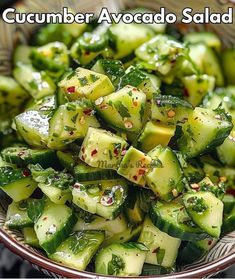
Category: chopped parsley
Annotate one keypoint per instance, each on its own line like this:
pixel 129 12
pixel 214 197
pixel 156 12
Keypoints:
pixel 115 265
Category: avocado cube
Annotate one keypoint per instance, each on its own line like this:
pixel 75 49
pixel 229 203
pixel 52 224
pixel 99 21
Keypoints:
pixel 135 165
pixel 86 83
pixel 154 134
pixel 102 149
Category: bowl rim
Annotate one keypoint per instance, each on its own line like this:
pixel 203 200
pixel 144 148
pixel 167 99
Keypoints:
pixel 45 263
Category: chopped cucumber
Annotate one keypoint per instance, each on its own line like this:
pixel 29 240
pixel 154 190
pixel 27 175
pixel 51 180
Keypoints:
pixel 77 250
pixel 163 249
pixel 17 183
pixel 228 62
pixel 30 237
pixel 118 259
pixel 205 210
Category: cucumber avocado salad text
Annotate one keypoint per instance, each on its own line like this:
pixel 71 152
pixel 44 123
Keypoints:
pixel 118 147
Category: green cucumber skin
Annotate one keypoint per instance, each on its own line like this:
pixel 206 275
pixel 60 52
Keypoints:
pixel 172 230
pixel 97 175
pixel 51 246
pixel 228 223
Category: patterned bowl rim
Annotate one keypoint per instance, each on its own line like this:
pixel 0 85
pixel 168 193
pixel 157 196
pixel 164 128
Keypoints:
pixel 31 256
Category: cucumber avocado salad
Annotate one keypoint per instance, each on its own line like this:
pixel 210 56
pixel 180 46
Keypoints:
pixel 118 147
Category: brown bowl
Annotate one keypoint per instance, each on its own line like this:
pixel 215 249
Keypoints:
pixel 222 255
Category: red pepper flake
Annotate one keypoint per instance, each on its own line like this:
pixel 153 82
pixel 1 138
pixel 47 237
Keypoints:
pixel 71 89
pixel 26 173
pixel 209 242
pixel 77 185
pixel 155 251
pixel 104 106
pixel 123 152
pixel 88 111
pixel 135 177
pixel 185 92
pixel 87 52
pixel 134 89
pixel 115 151
pixel 141 172
pixel 21 153
pixel 71 133
pixel 135 103
pixel 94 152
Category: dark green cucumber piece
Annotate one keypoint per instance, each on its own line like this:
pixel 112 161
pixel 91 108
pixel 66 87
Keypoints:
pixel 17 217
pixel 193 251
pixel 23 156
pixel 171 110
pixel 114 69
pixel 52 58
pixel 67 160
pixel 54 184
pixel 54 226
pixel 204 130
pixel 172 219
pixel 17 183
pixel 35 208
pixel 205 210
pixel 83 172
pixel 163 249
pixel 78 249
pixel 150 269
pixel 229 222
pixel 229 202
pixel 123 259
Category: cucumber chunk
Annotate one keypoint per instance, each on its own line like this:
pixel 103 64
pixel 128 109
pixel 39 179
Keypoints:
pixel 205 210
pixel 155 133
pixel 17 183
pixel 38 84
pixel 229 222
pixel 54 226
pixel 170 110
pixel 24 156
pixel 163 249
pixel 30 237
pixel 104 198
pixel 229 202
pixel 172 219
pixel 17 217
pixel 83 172
pixel 12 96
pixel 135 164
pixel 196 87
pixel 204 130
pixel 78 250
pixel 207 62
pixel 125 38
pixel 33 126
pixel 107 156
pixel 52 58
pixel 193 251
pixel 161 54
pixel 113 69
pixel 90 222
pixel 21 54
pixel 46 105
pixel 228 62
pixel 55 185
pixel 71 122
pixel 208 38
pixel 226 151
pixel 118 259
pixel 166 177
pixel 148 83
pixel 86 83
pixel 123 109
